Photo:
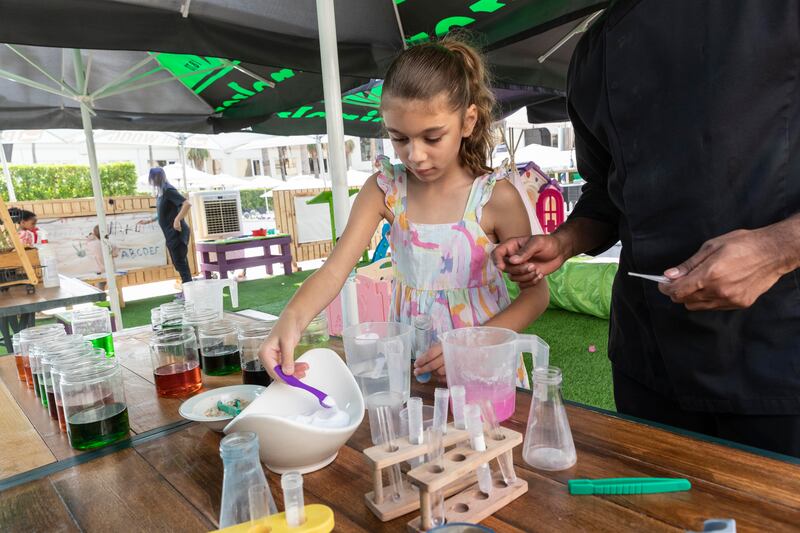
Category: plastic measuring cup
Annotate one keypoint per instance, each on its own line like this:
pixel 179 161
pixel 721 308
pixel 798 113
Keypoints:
pixel 207 293
pixel 379 356
pixel 484 361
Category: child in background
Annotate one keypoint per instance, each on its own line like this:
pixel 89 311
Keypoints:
pixel 95 248
pixel 27 230
pixel 446 207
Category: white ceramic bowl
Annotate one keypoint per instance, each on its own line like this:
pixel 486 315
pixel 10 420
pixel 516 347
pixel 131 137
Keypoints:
pixel 194 407
pixel 286 445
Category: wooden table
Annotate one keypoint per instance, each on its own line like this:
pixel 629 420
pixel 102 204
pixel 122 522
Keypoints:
pixel 168 477
pixel 18 308
pixel 267 259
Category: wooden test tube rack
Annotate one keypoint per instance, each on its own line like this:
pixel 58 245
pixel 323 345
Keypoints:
pixel 464 501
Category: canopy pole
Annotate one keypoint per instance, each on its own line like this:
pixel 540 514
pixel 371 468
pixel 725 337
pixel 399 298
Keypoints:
pixel 337 163
pixel 12 195
pixel 108 261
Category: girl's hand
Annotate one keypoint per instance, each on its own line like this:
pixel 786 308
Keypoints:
pixel 279 349
pixel 144 221
pixel 432 361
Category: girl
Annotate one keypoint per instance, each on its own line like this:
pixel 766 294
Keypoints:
pixel 446 207
pixel 27 230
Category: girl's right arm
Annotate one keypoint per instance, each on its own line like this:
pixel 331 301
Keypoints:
pixel 321 288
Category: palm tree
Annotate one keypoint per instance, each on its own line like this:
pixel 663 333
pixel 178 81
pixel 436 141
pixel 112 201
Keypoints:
pixel 198 157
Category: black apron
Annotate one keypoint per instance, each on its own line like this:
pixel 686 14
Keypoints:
pixel 687 122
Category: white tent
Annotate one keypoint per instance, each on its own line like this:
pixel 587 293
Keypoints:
pixel 547 157
pixel 195 179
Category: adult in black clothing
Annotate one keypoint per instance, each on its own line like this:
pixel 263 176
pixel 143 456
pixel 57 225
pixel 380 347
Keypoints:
pixel 171 210
pixel 687 126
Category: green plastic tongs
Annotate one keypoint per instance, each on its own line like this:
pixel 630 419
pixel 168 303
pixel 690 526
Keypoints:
pixel 628 485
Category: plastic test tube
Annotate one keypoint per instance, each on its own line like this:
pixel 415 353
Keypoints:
pixel 387 437
pixel 435 454
pixel 506 461
pixel 475 428
pixel 459 396
pixel 293 503
pixel 423 338
pixel 415 420
pixel 441 400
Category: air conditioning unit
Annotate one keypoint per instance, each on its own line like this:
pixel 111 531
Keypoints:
pixel 217 214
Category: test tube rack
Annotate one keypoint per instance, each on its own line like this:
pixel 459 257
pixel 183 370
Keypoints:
pixel 464 502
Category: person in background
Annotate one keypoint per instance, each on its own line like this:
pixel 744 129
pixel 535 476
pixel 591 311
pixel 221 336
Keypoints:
pixel 94 246
pixel 171 211
pixel 27 230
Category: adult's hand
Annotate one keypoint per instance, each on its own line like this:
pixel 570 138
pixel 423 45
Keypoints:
pixel 528 259
pixel 728 272
pixel 176 225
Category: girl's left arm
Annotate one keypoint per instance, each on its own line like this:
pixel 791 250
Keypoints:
pixel 506 217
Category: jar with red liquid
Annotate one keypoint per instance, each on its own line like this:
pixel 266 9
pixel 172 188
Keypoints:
pixel 18 357
pixel 251 336
pixel 28 337
pixel 176 365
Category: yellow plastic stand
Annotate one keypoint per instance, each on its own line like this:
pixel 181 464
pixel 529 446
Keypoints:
pixel 319 519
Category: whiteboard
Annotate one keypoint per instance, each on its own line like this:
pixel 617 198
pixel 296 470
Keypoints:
pixel 314 221
pixel 137 246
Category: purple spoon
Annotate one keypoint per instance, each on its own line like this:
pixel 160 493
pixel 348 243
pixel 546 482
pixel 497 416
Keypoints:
pixel 294 382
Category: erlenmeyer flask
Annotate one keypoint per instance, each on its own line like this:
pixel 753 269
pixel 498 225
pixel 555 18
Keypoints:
pixel 548 439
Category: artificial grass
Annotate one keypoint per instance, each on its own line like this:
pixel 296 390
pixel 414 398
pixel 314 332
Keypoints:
pixel 587 376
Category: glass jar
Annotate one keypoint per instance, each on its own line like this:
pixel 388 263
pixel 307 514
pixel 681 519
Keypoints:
pixel 28 337
pixel 155 318
pixel 176 366
pixel 52 353
pixel 241 472
pixel 219 344
pixel 18 357
pixel 172 314
pixel 251 336
pixel 197 318
pixel 94 323
pixel 61 367
pixel 95 406
pixel 314 336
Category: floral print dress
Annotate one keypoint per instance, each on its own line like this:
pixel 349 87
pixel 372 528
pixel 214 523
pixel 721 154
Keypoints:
pixel 444 270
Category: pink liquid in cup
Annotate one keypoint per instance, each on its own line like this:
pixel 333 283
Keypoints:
pixel 502 397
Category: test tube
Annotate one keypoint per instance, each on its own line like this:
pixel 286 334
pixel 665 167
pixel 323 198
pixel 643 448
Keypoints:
pixel 459 396
pixel 423 338
pixel 386 426
pixel 506 461
pixel 441 399
pixel 475 428
pixel 415 420
pixel 293 504
pixel 435 454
